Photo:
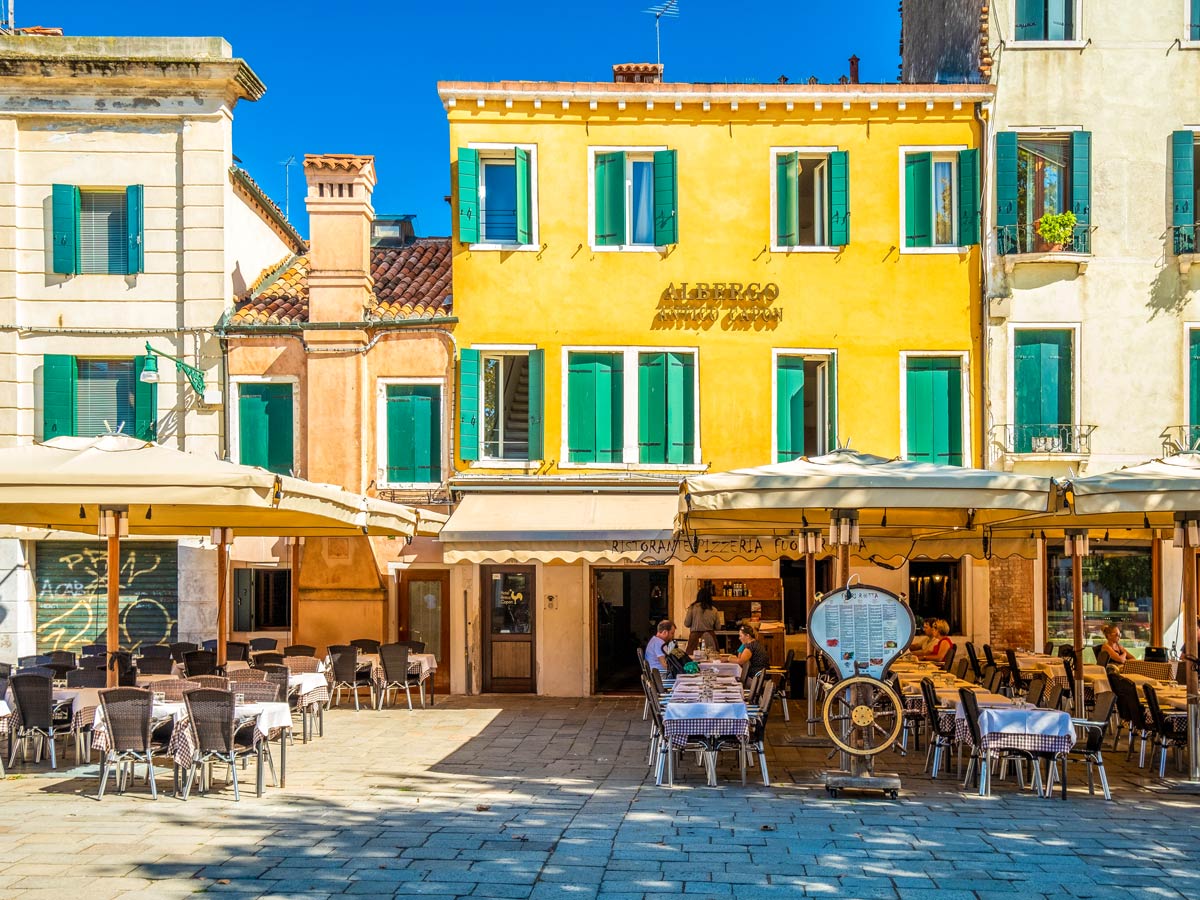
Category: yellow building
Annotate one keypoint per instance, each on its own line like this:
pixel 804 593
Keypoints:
pixel 656 279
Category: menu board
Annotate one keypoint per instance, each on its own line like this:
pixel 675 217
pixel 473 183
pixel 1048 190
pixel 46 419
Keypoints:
pixel 862 629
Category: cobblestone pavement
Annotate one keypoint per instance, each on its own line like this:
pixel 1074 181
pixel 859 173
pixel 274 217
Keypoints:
pixel 526 797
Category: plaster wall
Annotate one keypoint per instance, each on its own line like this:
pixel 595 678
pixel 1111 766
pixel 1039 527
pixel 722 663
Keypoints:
pixel 249 240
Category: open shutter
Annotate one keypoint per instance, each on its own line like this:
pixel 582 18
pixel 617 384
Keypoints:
pixel 1060 20
pixel 537 403
pixel 401 426
pixel 789 408
pixel 1194 21
pixel 1031 20
pixel 280 429
pixel 253 426
pixel 666 199
pixel 1183 181
pixel 918 211
pixel 135 228
pixel 524 197
pixel 1081 176
pixel 610 407
pixel 787 210
pixel 1006 191
pixel 839 198
pixel 831 402
pixel 243 599
pixel 610 199
pixel 653 407
pixel 59 394
pixel 468 195
pixel 681 408
pixel 968 197
pixel 145 404
pixel 424 464
pixel 468 405
pixel 1194 384
pixel 64 214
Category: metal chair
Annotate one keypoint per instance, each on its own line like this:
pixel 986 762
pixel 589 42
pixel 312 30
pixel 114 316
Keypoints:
pixel 1068 690
pixel 210 645
pixel 263 643
pixel 300 650
pixel 347 675
pixel 61 661
pixel 990 656
pixel 365 645
pixel 213 682
pixel 397 676
pixel 973 659
pixel 941 730
pixel 247 675
pixel 255 691
pixel 959 669
pixel 127 713
pixel 910 721
pixel 35 719
pixel 299 664
pixel 1052 699
pixel 1015 676
pixel 1092 749
pixel 199 662
pixel 948 659
pixel 278 676
pixel 1130 714
pixel 180 648
pixel 100 649
pixel 174 689
pixel 215 738
pixel 1169 732
pixel 781 676
pixel 1035 690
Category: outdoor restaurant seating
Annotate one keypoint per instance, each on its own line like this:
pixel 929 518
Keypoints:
pixel 156 665
pixel 948 659
pixel 215 682
pixel 348 676
pixel 1131 715
pixel 263 643
pixel 1035 688
pixel 397 676
pixel 782 676
pixel 179 648
pixel 87 678
pixel 237 651
pixel 973 659
pixel 300 650
pixel 299 664
pixel 941 727
pixel 250 674
pixel 269 657
pixel 277 675
pixel 199 662
pixel 1169 733
pixel 990 656
pixel 211 719
pixel 1015 676
pixel 365 645
pixel 1052 698
pixel 155 651
pixel 35 717
pixel 1091 751
pixel 173 689
pixel 256 691
pixel 413 646
pixel 127 713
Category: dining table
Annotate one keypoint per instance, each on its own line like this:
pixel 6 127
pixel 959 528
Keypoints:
pixel 423 665
pixel 707 708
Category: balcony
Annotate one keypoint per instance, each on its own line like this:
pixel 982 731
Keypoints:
pixel 1021 244
pixel 1180 439
pixel 1183 243
pixel 1043 441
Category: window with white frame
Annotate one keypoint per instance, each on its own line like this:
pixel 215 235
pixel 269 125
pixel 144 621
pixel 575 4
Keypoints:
pixel 804 383
pixel 1043 21
pixel 810 196
pixel 411 432
pixel 634 199
pixel 496 195
pixel 941 197
pixel 505 405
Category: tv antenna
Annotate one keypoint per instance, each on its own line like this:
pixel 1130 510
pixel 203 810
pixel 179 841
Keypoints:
pixel 668 9
pixel 287 185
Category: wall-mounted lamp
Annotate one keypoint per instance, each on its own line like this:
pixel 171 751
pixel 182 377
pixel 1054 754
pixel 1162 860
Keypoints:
pixel 1075 542
pixel 150 370
pixel 1187 530
pixel 843 527
pixel 113 522
pixel 812 541
pixel 220 536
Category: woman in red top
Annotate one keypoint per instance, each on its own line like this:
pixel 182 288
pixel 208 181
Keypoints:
pixel 940 644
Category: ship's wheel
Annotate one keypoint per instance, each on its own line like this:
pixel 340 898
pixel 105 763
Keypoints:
pixel 863 715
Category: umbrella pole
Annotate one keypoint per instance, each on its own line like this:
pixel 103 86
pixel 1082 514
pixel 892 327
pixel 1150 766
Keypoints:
pixel 1189 643
pixel 810 664
pixel 1077 615
pixel 113 638
pixel 222 596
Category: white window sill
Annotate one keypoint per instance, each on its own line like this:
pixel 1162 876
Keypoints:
pixel 511 248
pixel 1078 260
pixel 934 251
pixel 1189 45
pixel 408 485
pixel 523 465
pixel 816 248
pixel 1186 259
pixel 637 467
pixel 1045 45
pixel 628 248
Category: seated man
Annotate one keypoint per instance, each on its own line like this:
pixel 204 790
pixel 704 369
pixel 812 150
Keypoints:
pixel 940 644
pixel 658 647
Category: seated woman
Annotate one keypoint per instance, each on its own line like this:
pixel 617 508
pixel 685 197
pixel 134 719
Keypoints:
pixel 922 641
pixel 940 643
pixel 752 656
pixel 1112 648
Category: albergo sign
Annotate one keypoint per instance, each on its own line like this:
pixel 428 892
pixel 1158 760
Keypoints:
pixel 704 302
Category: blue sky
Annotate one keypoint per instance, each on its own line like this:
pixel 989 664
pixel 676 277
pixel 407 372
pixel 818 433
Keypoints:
pixel 360 77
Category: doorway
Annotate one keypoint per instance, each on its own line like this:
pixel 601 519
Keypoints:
pixel 627 604
pixel 934 592
pixel 509 602
pixel 424 615
pixel 262 599
pixel 795 603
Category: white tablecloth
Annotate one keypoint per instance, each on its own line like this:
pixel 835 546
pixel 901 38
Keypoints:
pixel 1031 721
pixel 728 669
pixel 304 682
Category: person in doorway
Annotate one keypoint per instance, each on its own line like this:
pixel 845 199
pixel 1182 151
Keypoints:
pixel 939 643
pixel 752 656
pixel 660 645
pixel 1112 649
pixel 702 620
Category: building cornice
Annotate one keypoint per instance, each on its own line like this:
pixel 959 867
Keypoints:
pixel 65 74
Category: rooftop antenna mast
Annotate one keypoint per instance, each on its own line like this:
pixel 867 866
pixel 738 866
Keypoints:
pixel 287 185
pixel 668 9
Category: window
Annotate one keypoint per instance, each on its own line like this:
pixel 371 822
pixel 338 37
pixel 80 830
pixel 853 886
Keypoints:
pixel 266 435
pixel 634 198
pixel 1043 372
pixel 501 399
pixel 804 403
pixel 1117 590
pixel 91 397
pixel 1046 20
pixel 496 195
pixel 935 592
pixel 262 599
pixel 97 231
pixel 933 409
pixel 811 199
pixel 1183 190
pixel 941 198
pixel 412 433
pixel 1040 174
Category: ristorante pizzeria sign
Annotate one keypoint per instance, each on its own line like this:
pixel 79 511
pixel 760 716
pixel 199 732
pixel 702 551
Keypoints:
pixel 704 302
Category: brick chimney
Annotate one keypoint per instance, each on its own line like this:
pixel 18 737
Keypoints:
pixel 854 70
pixel 638 73
pixel 339 223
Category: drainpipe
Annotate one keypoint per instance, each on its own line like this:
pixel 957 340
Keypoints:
pixel 984 267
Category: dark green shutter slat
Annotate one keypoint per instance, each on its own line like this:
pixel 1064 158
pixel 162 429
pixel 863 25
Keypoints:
pixel 839 198
pixel 681 408
pixel 135 227
pixel 789 408
pixel 64 214
pixel 787 174
pixel 281 429
pixel 1031 20
pixel 524 197
pixel 59 393
pixel 610 199
pixel 468 405
pixel 581 405
pixel 1194 21
pixel 1081 176
pixel 1183 182
pixel 666 198
pixel 537 403
pixel 653 407
pixel 832 402
pixel 918 212
pixel 968 197
pixel 919 402
pixel 468 195
pixel 145 404
pixel 1194 384
pixel 253 426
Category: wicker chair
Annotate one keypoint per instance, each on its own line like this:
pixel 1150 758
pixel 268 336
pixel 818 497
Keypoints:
pixel 33 697
pixel 180 648
pixel 155 651
pixel 127 713
pixel 87 678
pixel 211 718
pixel 156 665
pixel 1168 732
pixel 397 676
pixel 237 651
pixel 62 662
pixel 100 649
pixel 300 650
pixel 365 645
pixel 93 662
pixel 348 676
pixel 210 646
pixel 256 691
pixel 262 643
pixel 247 675
pixel 299 664
pixel 1037 687
pixel 413 646
pixel 199 662
pixel 173 690
pixel 269 657
pixel 277 675
pixel 31 662
pixel 1052 699
pixel 212 682
pixel 1131 714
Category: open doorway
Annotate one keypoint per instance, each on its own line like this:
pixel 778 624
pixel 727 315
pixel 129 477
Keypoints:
pixel 935 592
pixel 627 605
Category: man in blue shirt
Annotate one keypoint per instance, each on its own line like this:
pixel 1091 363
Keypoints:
pixel 657 647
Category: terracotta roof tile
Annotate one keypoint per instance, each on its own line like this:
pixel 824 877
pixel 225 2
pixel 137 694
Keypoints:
pixel 411 282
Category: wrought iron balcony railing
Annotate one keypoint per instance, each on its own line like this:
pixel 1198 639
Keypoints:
pixel 1180 439
pixel 1025 239
pixel 1047 438
pixel 1183 237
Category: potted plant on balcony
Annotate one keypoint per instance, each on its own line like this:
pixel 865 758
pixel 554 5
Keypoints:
pixel 1056 230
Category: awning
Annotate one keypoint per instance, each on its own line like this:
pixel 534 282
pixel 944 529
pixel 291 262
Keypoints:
pixel 594 527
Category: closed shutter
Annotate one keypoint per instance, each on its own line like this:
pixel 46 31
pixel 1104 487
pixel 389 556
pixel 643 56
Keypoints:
pixel 524 197
pixel 968 197
pixel 787 210
pixel 243 599
pixel 135 228
pixel 652 408
pixel 266 428
pixel 253 426
pixel 666 200
pixel 595 407
pixel 103 233
pixel 105 397
pixel 1031 20
pixel 1183 180
pixel 468 405
pixel 934 410
pixel 667 408
pixel 839 198
pixel 537 404
pixel 681 408
pixel 413 434
pixel 789 408
pixel 918 211
pixel 59 392
pixel 1043 382
pixel 72 594
pixel 610 199
pixel 145 403
pixel 64 215
pixel 468 195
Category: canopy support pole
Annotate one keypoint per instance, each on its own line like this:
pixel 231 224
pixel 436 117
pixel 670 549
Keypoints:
pixel 1077 615
pixel 1189 643
pixel 222 538
pixel 843 552
pixel 113 638
pixel 810 664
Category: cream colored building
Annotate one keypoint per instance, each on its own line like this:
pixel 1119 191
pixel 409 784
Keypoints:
pixel 123 222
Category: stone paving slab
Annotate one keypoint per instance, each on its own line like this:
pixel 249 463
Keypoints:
pixel 521 797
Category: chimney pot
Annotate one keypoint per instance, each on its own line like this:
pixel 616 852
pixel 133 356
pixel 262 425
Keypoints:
pixel 854 70
pixel 339 220
pixel 637 73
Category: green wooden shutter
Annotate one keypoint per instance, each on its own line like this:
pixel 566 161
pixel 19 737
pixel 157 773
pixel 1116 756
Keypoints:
pixel 666 198
pixel 1081 176
pixel 1006 191
pixel 468 195
pixel 1044 376
pixel 135 228
pixel 787 210
pixel 610 407
pixel 934 410
pixel 1194 21
pixel 468 405
pixel 681 408
pixel 789 408
pixel 413 434
pixel 1183 181
pixel 281 457
pixel 831 402
pixel 1031 20
pixel 839 198
pixel 1194 384
pixel 1060 20
pixel 653 408
pixel 595 407
pixel 537 403
pixel 968 197
pixel 64 215
pixel 524 197
pixel 426 467
pixel 918 209
pixel 145 404
pixel 610 199
pixel 59 394
pixel 253 426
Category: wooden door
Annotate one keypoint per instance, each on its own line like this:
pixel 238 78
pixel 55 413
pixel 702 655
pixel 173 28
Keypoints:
pixel 424 615
pixel 509 601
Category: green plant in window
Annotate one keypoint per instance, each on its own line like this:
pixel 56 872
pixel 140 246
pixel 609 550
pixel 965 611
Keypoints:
pixel 1057 229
